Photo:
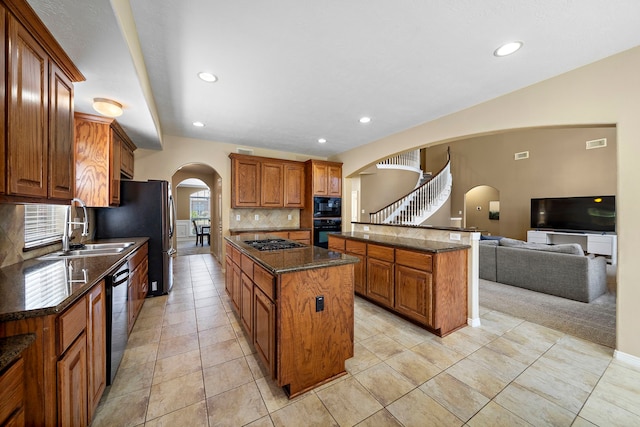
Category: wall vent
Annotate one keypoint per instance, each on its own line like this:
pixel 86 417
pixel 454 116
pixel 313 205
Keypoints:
pixel 597 143
pixel 521 155
pixel 246 151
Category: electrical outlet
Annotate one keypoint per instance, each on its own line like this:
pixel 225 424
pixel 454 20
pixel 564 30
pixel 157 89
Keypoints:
pixel 366 228
pixel 289 217
pixel 154 286
pixel 256 217
pixel 237 217
pixel 454 236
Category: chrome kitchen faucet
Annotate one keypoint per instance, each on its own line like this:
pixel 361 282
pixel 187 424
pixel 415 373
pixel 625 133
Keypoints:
pixel 68 223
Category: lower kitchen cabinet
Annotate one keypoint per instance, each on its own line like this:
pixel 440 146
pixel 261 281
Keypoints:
pixel 12 394
pixel 96 347
pixel 246 309
pixel 72 385
pixel 380 274
pixel 414 294
pixel 264 336
pixel 138 282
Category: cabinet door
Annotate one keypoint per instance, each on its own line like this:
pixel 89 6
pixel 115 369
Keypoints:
pixel 114 168
pixel 272 193
pixel 236 288
pixel 335 243
pixel 228 273
pixel 126 161
pixel 27 134
pixel 380 279
pixel 320 179
pixel 246 305
pixel 3 102
pixel 360 274
pixel 293 185
pixel 264 336
pixel 92 161
pixel 414 294
pixel 334 181
pixel 62 182
pixel 72 385
pixel 96 347
pixel 245 183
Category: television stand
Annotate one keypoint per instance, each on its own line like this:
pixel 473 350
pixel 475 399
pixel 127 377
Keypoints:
pixel 592 243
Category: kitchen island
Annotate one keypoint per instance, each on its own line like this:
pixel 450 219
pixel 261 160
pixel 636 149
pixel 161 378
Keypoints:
pixel 296 306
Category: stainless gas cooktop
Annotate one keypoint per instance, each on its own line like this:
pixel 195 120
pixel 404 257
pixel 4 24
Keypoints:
pixel 273 244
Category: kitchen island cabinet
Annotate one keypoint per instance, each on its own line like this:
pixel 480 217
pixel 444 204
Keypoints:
pixel 422 281
pixel 300 304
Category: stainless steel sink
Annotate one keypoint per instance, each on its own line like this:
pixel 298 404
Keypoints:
pixel 92 249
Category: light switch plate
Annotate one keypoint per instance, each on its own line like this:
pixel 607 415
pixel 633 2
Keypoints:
pixel 237 217
pixel 257 217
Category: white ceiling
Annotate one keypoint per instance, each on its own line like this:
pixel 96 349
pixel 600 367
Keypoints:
pixel 293 71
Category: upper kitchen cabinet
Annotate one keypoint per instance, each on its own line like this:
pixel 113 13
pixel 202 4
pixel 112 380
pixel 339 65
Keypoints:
pixel 261 182
pixel 326 178
pixel 103 153
pixel 36 127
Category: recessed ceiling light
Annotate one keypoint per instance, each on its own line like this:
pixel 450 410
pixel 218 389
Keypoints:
pixel 508 48
pixel 322 140
pixel 207 77
pixel 198 124
pixel 365 119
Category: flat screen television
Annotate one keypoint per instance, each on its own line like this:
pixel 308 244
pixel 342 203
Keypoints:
pixel 581 214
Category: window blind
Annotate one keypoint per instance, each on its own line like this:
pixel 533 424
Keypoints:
pixel 43 224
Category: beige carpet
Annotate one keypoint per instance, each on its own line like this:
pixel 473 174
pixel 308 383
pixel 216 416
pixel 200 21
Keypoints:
pixel 595 322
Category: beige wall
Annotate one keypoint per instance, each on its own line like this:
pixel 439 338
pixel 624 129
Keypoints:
pixel 477 210
pixel 606 91
pixel 559 165
pixel 383 186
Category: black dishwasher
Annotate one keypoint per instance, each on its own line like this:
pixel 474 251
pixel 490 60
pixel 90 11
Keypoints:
pixel 117 318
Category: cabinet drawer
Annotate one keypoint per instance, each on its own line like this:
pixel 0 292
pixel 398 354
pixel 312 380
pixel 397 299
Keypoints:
pixel 138 256
pixel 356 247
pixel 246 265
pixel 299 235
pixel 236 255
pixel 384 253
pixel 419 260
pixel 336 244
pixel 71 323
pixel 11 390
pixel 264 280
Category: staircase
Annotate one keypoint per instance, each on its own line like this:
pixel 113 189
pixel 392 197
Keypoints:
pixel 416 207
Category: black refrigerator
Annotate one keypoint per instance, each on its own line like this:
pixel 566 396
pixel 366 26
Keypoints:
pixel 146 210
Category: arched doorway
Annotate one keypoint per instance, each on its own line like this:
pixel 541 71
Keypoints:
pixel 482 209
pixel 197 192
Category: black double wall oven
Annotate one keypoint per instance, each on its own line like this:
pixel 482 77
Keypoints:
pixel 327 212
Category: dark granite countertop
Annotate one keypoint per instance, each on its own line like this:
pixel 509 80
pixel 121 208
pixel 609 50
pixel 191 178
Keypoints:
pixel 405 242
pixel 290 260
pixel 12 347
pixel 40 287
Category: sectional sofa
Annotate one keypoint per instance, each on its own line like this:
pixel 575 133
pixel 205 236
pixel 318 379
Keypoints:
pixel 560 270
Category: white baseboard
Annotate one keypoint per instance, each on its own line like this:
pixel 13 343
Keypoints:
pixel 474 323
pixel 627 358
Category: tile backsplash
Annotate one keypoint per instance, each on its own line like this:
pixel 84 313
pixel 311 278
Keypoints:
pixel 266 218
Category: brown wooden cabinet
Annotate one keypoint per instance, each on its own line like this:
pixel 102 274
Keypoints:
pixel 127 159
pixel 37 163
pixel 99 142
pixel 138 282
pixel 414 293
pixel 72 385
pixel 380 274
pixel 326 178
pixel 358 250
pixel 264 336
pixel 262 182
pixel 96 347
pixel 12 394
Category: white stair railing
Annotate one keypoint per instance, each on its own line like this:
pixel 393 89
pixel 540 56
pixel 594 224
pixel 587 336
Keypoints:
pixel 417 206
pixel 408 161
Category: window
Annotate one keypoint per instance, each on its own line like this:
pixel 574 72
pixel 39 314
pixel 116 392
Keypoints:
pixel 199 205
pixel 43 224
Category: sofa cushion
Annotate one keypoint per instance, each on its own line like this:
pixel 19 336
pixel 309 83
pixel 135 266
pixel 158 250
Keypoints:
pixel 569 248
pixel 489 242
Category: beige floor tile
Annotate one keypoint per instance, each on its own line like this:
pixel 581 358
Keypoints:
pixel 568 372
pixel 131 379
pixel 418 409
pixel 361 360
pixel 178 317
pixel 273 396
pixel 409 335
pixel 178 393
pixel 603 413
pixel 533 408
pixel 455 396
pixel 177 345
pixel 183 306
pixel 437 354
pixel 620 386
pixel 581 422
pixel 587 361
pixel 151 310
pixel 478 377
pixel 515 350
pixel 395 384
pixel 139 355
pixel 414 367
pixel 220 352
pixel 211 321
pixel 126 410
pixel 149 322
pixel 236 407
pixel 383 346
pixel 381 418
pixel 308 411
pixel 498 323
pixel 504 367
pixel 536 337
pixel 460 342
pixel 226 376
pixel 212 336
pixel 146 336
pixel 494 415
pixel 177 366
pixel 179 329
pixel 258 370
pixel 349 402
pixel 262 422
pixel 193 416
pixel 553 388
pixel 201 300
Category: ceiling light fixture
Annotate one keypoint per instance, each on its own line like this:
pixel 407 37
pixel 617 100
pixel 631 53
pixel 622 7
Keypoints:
pixel 322 140
pixel 207 77
pixel 508 48
pixel 107 107
pixel 198 124
pixel 365 119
